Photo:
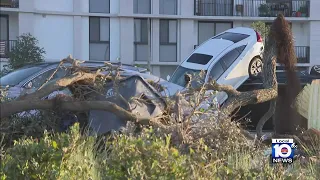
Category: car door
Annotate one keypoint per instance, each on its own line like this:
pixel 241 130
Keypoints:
pixel 215 73
pixel 236 69
pixel 221 70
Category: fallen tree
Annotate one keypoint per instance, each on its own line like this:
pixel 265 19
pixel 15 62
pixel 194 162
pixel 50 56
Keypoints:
pixel 235 99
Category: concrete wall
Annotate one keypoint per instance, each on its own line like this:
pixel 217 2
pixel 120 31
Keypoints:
pixel 301 33
pixel 314 34
pixel 189 28
pixel 59 33
pixel 13 26
pixel 56 5
pixel 315 42
pixel 55 34
pixel 314 9
pixel 85 39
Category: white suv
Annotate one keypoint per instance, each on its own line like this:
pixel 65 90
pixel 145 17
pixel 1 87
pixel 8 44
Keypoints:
pixel 230 58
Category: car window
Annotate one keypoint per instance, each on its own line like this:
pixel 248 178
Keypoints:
pixel 241 48
pixel 216 71
pixel 15 77
pixel 179 76
pixel 42 78
pixel 234 37
pixel 199 58
pixel 229 58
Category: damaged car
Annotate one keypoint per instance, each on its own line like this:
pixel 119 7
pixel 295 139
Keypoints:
pixel 230 58
pixel 30 77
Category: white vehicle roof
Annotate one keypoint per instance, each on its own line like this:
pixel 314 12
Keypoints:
pixel 215 46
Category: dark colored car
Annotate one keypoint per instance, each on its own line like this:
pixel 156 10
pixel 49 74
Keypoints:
pixel 34 75
pixel 38 73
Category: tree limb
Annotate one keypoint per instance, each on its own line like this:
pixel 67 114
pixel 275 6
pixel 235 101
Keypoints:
pixel 213 85
pixel 58 84
pixel 9 108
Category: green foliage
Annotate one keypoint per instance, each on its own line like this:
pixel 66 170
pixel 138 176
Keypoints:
pixel 29 125
pixel 140 155
pixel 303 9
pixel 264 10
pixel 262 28
pixel 5 70
pixel 145 157
pixel 60 156
pixel 25 51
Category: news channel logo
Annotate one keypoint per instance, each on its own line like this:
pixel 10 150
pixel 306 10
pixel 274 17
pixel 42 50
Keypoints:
pixel 283 151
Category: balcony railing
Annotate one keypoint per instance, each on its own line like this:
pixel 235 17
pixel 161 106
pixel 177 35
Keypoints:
pixel 5 47
pixel 302 53
pixel 252 8
pixel 9 3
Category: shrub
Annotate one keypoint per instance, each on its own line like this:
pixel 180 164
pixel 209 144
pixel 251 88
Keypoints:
pixel 262 28
pixel 4 71
pixel 61 156
pixel 137 155
pixel 144 157
pixel 25 51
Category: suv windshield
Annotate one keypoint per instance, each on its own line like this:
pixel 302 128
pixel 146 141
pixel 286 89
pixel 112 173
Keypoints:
pixel 19 75
pixel 179 76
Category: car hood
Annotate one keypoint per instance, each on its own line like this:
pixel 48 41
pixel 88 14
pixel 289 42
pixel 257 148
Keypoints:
pixel 170 88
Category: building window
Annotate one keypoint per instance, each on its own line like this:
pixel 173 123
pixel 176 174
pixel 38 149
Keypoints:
pixel 141 39
pixel 216 7
pixel 168 40
pixel 4 36
pixel 4 33
pixel 99 6
pixel 142 6
pixel 168 7
pixel 99 38
pixel 208 29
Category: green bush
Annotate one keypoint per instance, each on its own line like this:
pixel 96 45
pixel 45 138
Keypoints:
pixel 262 28
pixel 145 157
pixel 60 156
pixel 138 155
pixel 25 51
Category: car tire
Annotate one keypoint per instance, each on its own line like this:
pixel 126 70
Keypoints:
pixel 315 70
pixel 255 67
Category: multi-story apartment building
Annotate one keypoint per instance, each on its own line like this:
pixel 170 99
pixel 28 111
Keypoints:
pixel 163 32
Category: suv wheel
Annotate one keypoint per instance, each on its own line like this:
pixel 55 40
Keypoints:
pixel 255 67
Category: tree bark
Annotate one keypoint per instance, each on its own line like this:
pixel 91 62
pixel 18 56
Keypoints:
pixel 9 108
pixel 58 84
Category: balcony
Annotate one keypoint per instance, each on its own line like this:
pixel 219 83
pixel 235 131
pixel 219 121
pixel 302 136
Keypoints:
pixel 303 54
pixel 9 3
pixel 6 47
pixel 252 8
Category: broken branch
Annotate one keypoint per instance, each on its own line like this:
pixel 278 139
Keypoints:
pixel 58 84
pixel 9 108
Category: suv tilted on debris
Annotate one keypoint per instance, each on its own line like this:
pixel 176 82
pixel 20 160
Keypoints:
pixel 230 58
